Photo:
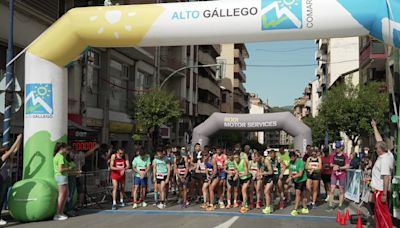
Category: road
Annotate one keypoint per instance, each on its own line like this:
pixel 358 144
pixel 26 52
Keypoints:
pixel 192 217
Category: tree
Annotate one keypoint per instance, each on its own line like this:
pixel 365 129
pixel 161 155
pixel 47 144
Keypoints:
pixel 349 109
pixel 153 109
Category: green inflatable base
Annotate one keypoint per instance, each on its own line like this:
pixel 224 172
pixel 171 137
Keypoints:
pixel 33 200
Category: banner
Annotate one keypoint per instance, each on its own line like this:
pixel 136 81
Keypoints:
pixel 353 185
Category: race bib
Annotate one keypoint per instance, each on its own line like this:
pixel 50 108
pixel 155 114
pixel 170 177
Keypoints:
pixel 276 171
pixel 182 171
pixel 160 176
pixel 231 170
pixel 142 170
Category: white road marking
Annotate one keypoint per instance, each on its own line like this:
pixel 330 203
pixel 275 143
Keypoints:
pixel 228 223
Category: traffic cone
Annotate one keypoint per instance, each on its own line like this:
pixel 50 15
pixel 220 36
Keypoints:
pixel 343 220
pixel 347 214
pixel 359 222
pixel 338 217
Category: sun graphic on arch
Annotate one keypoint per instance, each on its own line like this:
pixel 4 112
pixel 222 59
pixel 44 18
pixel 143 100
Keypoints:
pixel 288 3
pixel 43 91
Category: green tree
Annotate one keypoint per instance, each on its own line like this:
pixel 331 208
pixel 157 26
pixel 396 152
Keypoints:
pixel 153 109
pixel 349 109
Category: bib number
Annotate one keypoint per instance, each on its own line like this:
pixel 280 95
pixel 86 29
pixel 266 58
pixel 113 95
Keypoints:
pixel 160 176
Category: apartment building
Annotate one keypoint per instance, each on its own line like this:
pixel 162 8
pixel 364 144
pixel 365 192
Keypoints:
pixel 234 96
pixel 257 106
pixel 303 105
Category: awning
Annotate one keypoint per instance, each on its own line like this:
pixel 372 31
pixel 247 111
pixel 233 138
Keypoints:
pixel 74 126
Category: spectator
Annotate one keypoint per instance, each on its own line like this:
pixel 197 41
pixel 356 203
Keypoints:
pixel 4 177
pixel 364 152
pixel 307 154
pixel 380 182
pixel 355 161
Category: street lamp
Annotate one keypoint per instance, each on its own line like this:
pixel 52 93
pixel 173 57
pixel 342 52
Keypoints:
pixel 218 65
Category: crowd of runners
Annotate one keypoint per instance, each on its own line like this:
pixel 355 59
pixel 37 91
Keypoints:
pixel 232 178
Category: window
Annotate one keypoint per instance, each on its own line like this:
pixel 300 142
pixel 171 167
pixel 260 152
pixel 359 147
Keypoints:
pixel 144 81
pixel 119 76
pixel 223 98
pixel 92 78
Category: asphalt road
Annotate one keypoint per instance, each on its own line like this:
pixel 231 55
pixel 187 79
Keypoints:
pixel 194 216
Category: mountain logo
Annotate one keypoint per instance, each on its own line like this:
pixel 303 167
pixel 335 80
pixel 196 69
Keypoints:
pixel 39 99
pixel 281 14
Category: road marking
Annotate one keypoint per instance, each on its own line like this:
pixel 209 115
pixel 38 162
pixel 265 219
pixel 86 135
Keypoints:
pixel 214 214
pixel 228 223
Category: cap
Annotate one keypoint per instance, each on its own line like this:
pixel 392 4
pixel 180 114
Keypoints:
pixel 338 144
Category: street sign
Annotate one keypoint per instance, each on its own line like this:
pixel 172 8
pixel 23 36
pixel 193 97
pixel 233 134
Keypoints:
pixel 17 87
pixel 16 105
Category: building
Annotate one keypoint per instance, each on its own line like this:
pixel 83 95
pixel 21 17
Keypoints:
pixel 257 106
pixel 234 96
pixel 302 105
pixel 315 98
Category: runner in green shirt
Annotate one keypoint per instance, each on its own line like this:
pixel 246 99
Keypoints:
pixel 141 167
pixel 298 174
pixel 161 172
pixel 284 159
pixel 242 167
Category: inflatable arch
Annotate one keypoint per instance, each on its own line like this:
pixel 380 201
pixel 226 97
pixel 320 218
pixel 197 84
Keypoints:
pixel 254 122
pixel 46 100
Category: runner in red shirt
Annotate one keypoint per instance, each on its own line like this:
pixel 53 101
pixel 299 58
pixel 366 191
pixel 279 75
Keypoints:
pixel 326 172
pixel 118 164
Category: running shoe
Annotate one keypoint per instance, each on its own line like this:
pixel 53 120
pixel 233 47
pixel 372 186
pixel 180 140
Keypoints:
pixel 135 205
pixel 3 222
pixel 114 207
pixel 144 204
pixel 281 205
pixel 60 217
pixel 258 205
pixel 294 213
pixel 204 205
pixel 179 201
pixel 314 206
pixel 160 206
pixel 221 205
pixel 251 206
pixel 164 205
pixel 235 205
pixel 329 208
pixel 266 210
pixel 122 204
pixel 244 209
pixel 305 211
pixel 210 208
pixel 229 206
pixel 327 198
pixel 342 207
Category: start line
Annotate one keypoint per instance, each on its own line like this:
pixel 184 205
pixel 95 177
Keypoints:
pixel 215 214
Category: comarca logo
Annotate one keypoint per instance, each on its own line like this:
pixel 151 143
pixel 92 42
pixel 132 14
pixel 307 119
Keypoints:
pixel 282 14
pixel 39 99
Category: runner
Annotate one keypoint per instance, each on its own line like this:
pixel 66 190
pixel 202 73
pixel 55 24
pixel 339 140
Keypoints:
pixel 313 167
pixel 283 185
pixel 181 167
pixel 141 168
pixel 339 163
pixel 326 172
pixel 271 178
pixel 203 165
pixel 196 177
pixel 119 163
pixel 232 181
pixel 244 179
pixel 219 162
pixel 171 159
pixel 161 172
pixel 246 153
pixel 298 174
pixel 257 169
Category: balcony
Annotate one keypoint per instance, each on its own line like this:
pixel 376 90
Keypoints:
pixel 320 55
pixel 212 49
pixel 240 75
pixel 323 44
pixel 322 81
pixel 373 55
pixel 239 101
pixel 207 84
pixel 307 90
pixel 205 58
pixel 319 72
pixel 239 86
pixel 206 109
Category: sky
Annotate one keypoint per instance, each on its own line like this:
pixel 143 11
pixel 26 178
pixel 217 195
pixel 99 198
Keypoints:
pixel 280 85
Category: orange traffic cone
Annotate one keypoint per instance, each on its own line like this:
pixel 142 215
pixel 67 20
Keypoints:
pixel 347 214
pixel 343 220
pixel 338 217
pixel 359 222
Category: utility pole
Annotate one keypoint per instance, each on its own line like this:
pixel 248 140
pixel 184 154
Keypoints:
pixel 9 90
